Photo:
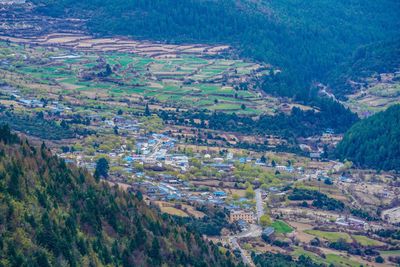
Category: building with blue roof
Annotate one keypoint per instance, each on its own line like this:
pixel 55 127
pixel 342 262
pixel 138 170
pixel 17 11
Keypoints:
pixel 268 231
pixel 219 194
pixel 128 159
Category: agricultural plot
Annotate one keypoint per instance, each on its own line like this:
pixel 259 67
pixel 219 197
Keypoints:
pixel 173 211
pixel 329 236
pixel 366 241
pixel 390 252
pixel 185 81
pixel 334 259
pixel 335 236
pixel 143 48
pixel 281 227
pixel 340 260
pixel 376 96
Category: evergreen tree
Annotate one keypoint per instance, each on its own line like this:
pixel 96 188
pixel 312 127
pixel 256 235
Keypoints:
pixel 147 112
pixel 102 168
pixel 66 219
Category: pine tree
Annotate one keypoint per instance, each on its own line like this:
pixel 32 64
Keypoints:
pixel 14 185
pixel 147 112
pixel 102 168
pixel 155 251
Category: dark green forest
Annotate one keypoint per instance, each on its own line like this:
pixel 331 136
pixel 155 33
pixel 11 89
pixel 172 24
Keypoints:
pixel 54 214
pixel 36 126
pixel 309 40
pixel 320 200
pixel 374 142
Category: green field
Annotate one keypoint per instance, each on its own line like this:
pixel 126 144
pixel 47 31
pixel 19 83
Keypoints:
pixel 336 260
pixel 335 236
pixel 366 241
pixel 281 227
pixel 187 81
pixel 390 252
pixel 300 251
pixel 330 236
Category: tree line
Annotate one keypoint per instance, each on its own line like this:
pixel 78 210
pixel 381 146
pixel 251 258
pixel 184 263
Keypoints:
pixel 299 123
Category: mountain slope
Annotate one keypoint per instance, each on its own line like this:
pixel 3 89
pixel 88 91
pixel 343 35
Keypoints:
pixel 367 61
pixel 374 142
pixel 306 39
pixel 52 214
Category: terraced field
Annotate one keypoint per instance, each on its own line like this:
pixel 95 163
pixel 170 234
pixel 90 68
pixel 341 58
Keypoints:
pixel 330 236
pixel 335 236
pixel 334 259
pixel 184 81
pixel 377 95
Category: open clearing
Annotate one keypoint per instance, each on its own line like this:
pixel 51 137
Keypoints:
pixel 335 236
pixel 174 211
pixel 330 258
pixel 281 227
pixel 329 236
pixel 366 241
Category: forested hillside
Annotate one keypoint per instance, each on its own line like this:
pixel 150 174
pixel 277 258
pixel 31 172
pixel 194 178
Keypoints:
pixel 367 61
pixel 308 40
pixel 52 214
pixel 374 142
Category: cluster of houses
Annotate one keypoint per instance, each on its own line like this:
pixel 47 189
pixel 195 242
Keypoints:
pixel 171 188
pixel 54 106
pixel 156 150
pixel 350 222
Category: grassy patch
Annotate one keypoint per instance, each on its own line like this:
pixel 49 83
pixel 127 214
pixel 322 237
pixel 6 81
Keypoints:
pixel 174 211
pixel 366 241
pixel 390 252
pixel 329 236
pixel 281 227
pixel 338 260
pixel 300 251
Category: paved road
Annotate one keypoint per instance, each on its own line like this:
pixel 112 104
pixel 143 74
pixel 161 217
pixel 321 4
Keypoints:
pixel 155 149
pixel 259 204
pixel 245 257
pixel 253 231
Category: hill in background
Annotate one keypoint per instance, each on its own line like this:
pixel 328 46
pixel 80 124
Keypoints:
pixel 308 40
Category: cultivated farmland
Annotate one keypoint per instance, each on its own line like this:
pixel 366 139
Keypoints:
pixel 192 76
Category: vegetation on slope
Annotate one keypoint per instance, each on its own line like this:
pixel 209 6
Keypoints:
pixel 52 214
pixel 298 124
pixel 307 39
pixel 320 200
pixel 367 61
pixel 374 142
pixel 37 126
